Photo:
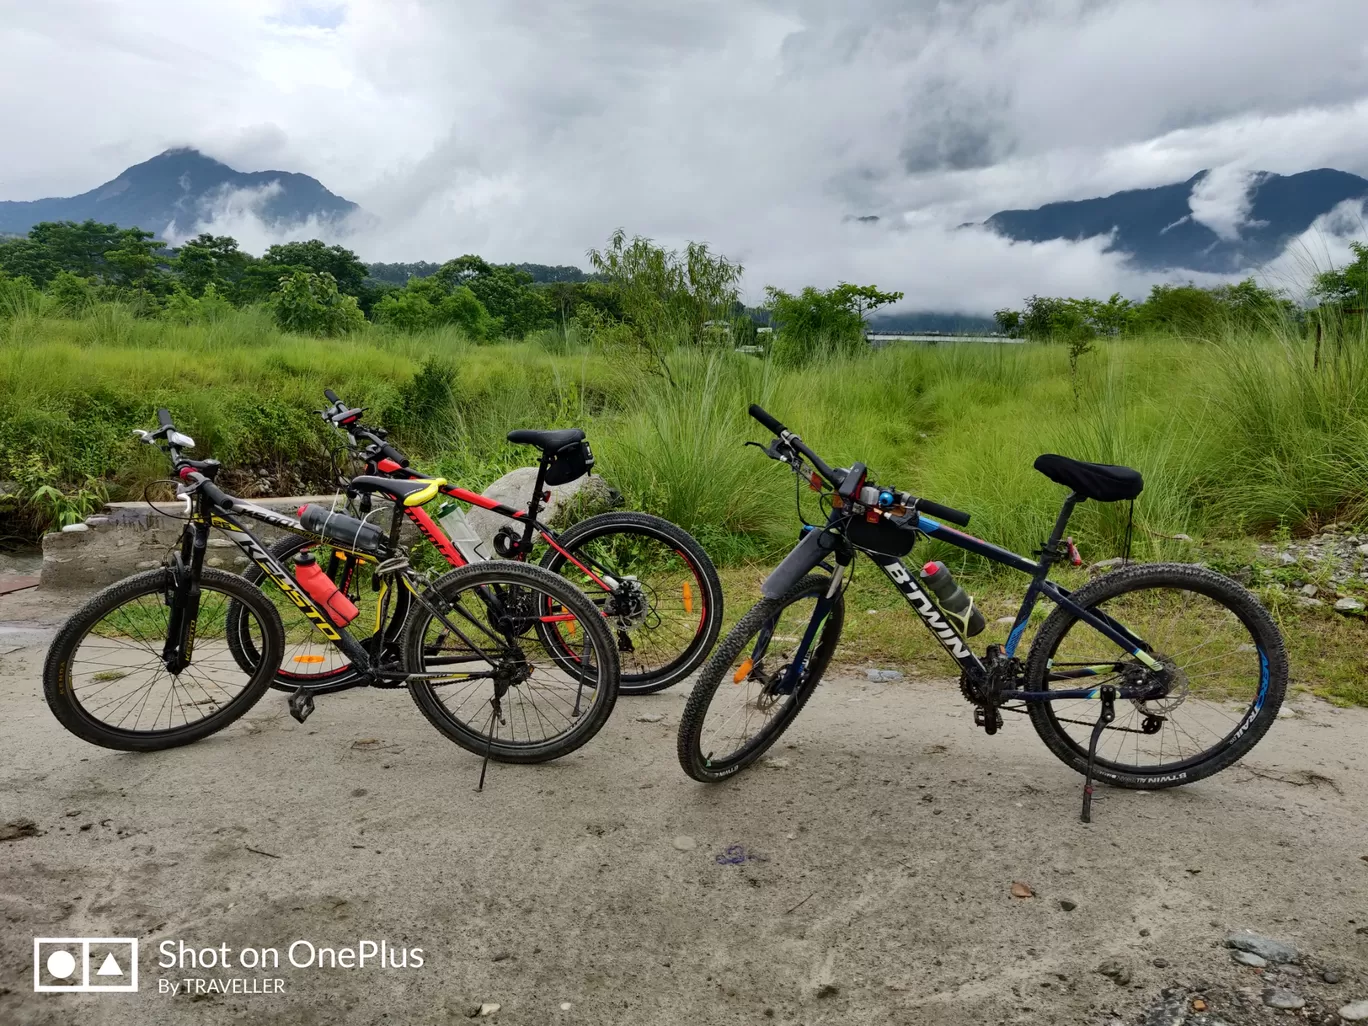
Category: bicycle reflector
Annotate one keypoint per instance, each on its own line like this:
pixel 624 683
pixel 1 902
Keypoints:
pixel 815 482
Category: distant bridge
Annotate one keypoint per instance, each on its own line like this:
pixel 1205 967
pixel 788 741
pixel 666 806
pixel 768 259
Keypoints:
pixel 879 339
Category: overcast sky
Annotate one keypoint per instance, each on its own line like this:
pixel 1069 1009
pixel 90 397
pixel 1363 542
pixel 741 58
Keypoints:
pixel 527 130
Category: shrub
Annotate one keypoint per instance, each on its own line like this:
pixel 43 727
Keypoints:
pixel 308 302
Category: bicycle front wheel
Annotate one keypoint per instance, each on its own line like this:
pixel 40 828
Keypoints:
pixel 1224 671
pixel 743 701
pixel 490 673
pixel 105 679
pixel 664 603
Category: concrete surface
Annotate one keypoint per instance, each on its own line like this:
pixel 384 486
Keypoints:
pixel 867 878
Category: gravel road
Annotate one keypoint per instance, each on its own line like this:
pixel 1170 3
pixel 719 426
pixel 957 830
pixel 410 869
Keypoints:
pixel 864 876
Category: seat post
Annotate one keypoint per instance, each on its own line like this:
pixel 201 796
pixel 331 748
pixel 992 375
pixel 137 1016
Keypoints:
pixel 1051 549
pixel 534 507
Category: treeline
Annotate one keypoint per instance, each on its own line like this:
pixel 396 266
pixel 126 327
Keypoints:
pixel 1170 309
pixel 1192 311
pixel 638 297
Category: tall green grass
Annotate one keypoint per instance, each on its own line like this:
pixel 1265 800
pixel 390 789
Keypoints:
pixel 1233 435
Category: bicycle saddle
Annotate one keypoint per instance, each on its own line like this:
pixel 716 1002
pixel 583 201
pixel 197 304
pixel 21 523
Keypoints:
pixel 1101 481
pixel 547 441
pixel 413 492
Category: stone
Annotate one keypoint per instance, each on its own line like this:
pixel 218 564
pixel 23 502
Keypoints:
pixel 1281 997
pixel 1330 976
pixel 1309 603
pixel 650 717
pixel 1309 590
pixel 883 676
pixel 1356 1011
pixel 1249 958
pixel 1067 905
pixel 489 1008
pixel 1286 558
pixel 1362 550
pixel 685 843
pixel 591 493
pixel 1005 619
pixel 1105 564
pixel 1115 971
pixel 775 762
pixel 75 529
pixel 1348 606
pixel 1264 947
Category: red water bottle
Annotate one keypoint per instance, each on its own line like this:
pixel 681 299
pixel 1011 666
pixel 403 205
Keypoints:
pixel 320 588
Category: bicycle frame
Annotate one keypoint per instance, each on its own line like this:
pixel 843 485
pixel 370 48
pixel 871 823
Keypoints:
pixel 526 517
pixel 945 631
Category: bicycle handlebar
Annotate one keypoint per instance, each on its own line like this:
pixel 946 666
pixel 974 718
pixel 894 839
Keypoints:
pixel 836 477
pixel 331 396
pixel 949 513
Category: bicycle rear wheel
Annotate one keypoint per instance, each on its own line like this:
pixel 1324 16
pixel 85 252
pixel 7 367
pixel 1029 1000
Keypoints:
pixel 739 707
pixel 492 681
pixel 1223 659
pixel 666 610
pixel 105 680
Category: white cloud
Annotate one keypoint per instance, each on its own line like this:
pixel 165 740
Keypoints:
pixel 528 130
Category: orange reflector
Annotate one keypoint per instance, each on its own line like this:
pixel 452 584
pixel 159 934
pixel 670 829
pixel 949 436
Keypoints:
pixel 688 598
pixel 570 627
pixel 308 659
pixel 815 482
pixel 873 516
pixel 742 671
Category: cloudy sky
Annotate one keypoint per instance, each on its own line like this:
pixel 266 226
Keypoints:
pixel 529 129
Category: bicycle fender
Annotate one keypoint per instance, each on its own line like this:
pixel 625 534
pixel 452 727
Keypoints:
pixel 806 555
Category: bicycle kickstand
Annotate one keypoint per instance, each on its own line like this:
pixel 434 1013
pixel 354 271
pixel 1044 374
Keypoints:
pixel 1107 714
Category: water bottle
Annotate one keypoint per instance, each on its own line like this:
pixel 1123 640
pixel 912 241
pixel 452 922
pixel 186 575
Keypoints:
pixel 462 535
pixel 320 587
pixel 952 599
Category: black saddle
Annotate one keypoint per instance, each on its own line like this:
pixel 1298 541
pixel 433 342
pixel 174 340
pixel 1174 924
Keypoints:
pixel 546 441
pixel 1100 481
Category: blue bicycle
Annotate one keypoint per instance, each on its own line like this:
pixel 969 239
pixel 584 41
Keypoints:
pixel 1150 676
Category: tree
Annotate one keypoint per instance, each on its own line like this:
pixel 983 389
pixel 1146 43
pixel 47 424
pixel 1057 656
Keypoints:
pixel 863 299
pixel 133 261
pixel 1345 286
pixel 812 323
pixel 71 294
pixel 211 260
pixel 1008 322
pixel 310 303
pixel 430 303
pixel 346 267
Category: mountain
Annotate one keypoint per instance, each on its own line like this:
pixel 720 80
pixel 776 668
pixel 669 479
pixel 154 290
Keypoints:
pixel 181 186
pixel 1157 229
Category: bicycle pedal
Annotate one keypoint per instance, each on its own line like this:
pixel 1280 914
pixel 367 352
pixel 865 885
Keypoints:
pixel 989 719
pixel 301 705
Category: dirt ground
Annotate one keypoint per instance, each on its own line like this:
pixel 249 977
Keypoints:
pixel 865 878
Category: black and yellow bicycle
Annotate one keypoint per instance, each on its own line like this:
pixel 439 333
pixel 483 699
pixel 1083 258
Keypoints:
pixel 148 663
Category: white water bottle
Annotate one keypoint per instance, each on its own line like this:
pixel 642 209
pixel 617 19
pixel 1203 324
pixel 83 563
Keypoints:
pixel 462 535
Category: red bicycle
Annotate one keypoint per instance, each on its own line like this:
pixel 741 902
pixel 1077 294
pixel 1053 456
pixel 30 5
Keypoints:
pixel 650 579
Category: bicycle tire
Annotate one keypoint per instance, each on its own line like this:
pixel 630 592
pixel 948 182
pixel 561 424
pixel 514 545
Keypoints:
pixel 340 677
pixel 700 765
pixel 704 574
pixel 507 573
pixel 1178 577
pixel 60 693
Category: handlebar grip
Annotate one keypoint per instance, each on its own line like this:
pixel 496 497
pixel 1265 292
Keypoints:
pixel 390 452
pixel 944 512
pixel 164 417
pixel 764 418
pixel 331 396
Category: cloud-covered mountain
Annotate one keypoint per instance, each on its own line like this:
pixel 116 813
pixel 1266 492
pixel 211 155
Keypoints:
pixel 178 190
pixel 1217 221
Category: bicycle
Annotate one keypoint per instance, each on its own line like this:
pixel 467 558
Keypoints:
pixel 652 581
pixel 1223 667
pixel 146 663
